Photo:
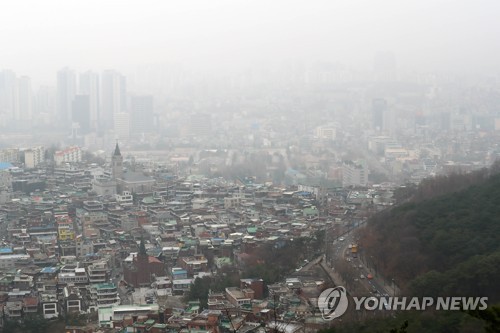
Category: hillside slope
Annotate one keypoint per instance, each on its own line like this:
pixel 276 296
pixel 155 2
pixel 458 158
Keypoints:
pixel 447 245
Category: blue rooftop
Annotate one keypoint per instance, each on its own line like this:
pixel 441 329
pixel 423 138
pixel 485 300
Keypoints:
pixel 5 250
pixel 49 270
pixel 5 165
pixel 180 271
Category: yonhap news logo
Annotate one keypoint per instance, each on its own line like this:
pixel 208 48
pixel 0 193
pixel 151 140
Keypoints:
pixel 420 303
pixel 333 303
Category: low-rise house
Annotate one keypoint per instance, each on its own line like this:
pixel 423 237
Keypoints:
pixel 239 297
pixel 113 316
pixel 49 305
pixel 73 300
pixel 30 305
pixel 13 309
pixel 78 276
pixel 257 285
pixel 179 273
pixel 207 321
pixel 194 264
pixel 181 286
pixel 22 282
pixel 98 272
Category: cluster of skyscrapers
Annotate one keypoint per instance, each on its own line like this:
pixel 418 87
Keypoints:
pixel 15 96
pixel 86 102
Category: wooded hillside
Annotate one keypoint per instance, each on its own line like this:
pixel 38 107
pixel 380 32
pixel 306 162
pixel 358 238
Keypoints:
pixel 445 240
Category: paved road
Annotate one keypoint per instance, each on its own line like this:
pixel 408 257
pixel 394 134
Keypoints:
pixel 341 249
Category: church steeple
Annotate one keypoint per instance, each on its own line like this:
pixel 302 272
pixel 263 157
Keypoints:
pixel 142 249
pixel 117 163
pixel 117 150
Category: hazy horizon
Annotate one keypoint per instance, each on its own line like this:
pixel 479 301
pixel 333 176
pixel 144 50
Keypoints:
pixel 39 38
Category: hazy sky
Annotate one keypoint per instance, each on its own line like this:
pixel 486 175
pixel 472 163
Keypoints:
pixel 38 37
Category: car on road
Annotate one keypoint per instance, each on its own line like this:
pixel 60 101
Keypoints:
pixel 341 239
pixel 361 276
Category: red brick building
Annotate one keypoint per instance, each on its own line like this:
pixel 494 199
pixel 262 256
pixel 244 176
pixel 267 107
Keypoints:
pixel 257 285
pixel 140 271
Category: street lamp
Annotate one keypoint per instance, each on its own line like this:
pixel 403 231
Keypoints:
pixel 393 287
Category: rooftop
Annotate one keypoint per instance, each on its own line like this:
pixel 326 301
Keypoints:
pixel 136 177
pixel 5 250
pixel 105 286
pixel 5 166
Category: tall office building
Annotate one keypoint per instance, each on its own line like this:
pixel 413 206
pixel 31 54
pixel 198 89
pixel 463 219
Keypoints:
pixel 9 100
pixel 379 110
pixel 354 173
pixel 45 102
pixel 121 125
pixel 25 98
pixel 66 90
pixel 89 85
pixel 81 113
pixel 114 96
pixel 34 156
pixel 141 114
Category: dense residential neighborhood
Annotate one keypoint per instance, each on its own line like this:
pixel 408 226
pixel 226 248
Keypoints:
pixel 130 247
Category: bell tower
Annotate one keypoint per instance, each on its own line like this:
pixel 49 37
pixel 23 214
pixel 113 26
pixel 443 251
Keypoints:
pixel 117 164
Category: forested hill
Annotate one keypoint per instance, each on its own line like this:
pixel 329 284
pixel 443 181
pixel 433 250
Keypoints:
pixel 446 245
